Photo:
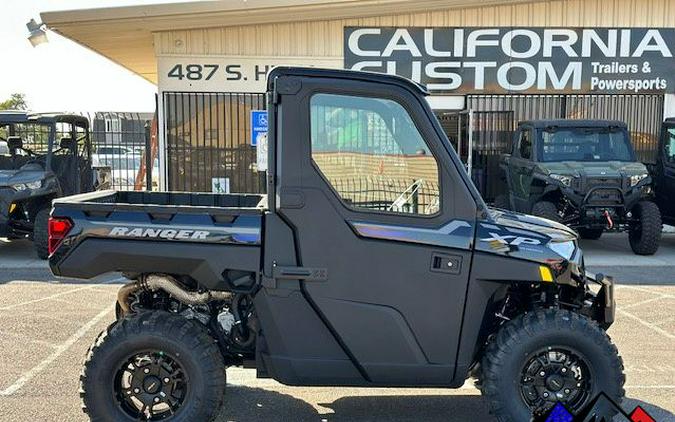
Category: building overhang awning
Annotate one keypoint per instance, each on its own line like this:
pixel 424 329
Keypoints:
pixel 125 34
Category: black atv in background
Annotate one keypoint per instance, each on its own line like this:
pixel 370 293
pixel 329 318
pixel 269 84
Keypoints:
pixel 42 157
pixel 582 173
pixel 663 172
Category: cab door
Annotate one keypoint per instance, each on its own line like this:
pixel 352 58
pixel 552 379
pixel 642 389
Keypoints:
pixel 665 183
pixel 521 168
pixel 383 219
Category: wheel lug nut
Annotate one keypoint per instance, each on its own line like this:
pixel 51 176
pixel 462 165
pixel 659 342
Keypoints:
pixel 545 395
pixel 166 380
pixel 156 399
pixel 137 390
pixel 567 391
pixel 146 370
pixel 542 373
pixel 564 370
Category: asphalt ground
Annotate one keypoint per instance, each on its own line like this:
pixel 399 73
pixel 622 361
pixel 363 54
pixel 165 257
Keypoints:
pixel 46 326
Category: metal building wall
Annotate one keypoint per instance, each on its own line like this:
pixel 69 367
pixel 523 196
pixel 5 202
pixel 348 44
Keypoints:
pixel 324 38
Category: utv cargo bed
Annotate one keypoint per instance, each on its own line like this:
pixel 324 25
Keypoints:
pixel 133 231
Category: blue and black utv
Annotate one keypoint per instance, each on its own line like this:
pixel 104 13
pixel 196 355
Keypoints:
pixel 42 157
pixel 372 261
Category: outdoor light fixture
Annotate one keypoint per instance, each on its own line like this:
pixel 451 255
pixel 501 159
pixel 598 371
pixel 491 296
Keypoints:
pixel 37 33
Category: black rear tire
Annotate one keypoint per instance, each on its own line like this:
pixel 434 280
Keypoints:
pixel 185 343
pixel 502 202
pixel 547 210
pixel 591 234
pixel 509 353
pixel 644 233
pixel 41 233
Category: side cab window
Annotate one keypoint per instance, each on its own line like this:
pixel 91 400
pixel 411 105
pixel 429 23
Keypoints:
pixel 525 144
pixel 669 146
pixel 372 154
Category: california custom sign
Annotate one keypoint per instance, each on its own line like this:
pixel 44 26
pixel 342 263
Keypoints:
pixel 519 60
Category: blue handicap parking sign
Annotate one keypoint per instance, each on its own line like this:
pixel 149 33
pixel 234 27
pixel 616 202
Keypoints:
pixel 258 125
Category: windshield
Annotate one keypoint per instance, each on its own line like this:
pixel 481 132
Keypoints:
pixel 585 144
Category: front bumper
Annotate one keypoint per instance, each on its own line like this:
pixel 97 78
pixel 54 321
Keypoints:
pixel 592 205
pixel 601 306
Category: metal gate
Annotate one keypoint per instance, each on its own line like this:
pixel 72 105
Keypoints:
pixel 208 139
pixel 490 137
pixel 494 117
pixel 121 141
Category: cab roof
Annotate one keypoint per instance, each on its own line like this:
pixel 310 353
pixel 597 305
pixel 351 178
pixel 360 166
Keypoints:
pixel 74 119
pixel 13 116
pixel 345 74
pixel 540 124
pixel 20 116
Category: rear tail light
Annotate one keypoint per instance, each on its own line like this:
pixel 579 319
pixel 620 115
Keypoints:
pixel 58 229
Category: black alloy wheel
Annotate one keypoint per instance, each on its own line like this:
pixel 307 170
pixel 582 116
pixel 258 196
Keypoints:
pixel 151 385
pixel 555 375
pixel 153 366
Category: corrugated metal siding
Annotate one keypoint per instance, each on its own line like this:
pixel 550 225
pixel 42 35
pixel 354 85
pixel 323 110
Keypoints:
pixel 324 38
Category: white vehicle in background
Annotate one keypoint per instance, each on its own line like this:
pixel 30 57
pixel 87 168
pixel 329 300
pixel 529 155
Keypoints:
pixel 114 150
pixel 125 168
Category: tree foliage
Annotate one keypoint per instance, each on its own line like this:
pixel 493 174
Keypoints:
pixel 16 101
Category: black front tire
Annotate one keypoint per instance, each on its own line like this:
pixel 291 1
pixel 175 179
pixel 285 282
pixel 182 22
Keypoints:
pixel 185 341
pixel 547 210
pixel 644 233
pixel 591 234
pixel 41 233
pixel 517 340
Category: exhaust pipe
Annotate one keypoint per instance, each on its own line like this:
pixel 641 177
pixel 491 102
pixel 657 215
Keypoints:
pixel 168 284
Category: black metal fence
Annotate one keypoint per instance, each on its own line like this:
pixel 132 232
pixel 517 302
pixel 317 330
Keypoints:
pixel 208 135
pixel 642 113
pixel 209 142
pixel 120 141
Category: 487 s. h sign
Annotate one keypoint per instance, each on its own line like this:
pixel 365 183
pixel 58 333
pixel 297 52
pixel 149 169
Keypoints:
pixel 502 60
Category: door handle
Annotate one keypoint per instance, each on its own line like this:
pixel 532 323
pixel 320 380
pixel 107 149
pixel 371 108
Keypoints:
pixel 445 263
pixel 300 273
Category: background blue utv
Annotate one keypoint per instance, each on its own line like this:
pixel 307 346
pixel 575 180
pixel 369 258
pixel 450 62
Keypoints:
pixel 582 173
pixel 42 157
pixel 372 262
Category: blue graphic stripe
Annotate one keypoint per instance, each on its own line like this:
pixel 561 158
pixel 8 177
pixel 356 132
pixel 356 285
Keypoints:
pixel 456 234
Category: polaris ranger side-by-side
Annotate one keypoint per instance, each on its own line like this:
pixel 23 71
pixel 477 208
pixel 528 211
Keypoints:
pixel 36 167
pixel 372 262
pixel 582 173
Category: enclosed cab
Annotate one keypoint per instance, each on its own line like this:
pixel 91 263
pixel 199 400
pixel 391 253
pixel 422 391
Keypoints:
pixel 584 174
